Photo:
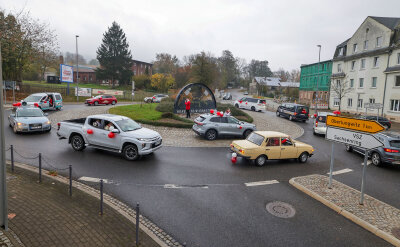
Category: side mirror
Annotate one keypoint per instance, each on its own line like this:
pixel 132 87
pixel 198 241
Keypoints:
pixel 115 131
pixel 46 114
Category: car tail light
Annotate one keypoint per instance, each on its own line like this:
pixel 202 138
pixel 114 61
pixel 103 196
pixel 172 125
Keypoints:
pixel 295 113
pixel 316 123
pixel 388 150
pixel 58 126
pixel 260 104
pixel 231 145
pixel 198 123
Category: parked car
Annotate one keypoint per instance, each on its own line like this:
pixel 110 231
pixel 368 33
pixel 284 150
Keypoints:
pixel 26 118
pixel 382 120
pixel 110 132
pixel 251 104
pixel 102 100
pixel 261 146
pixel 227 96
pixel 293 111
pixel 246 93
pixel 388 153
pixel 155 98
pixel 45 101
pixel 319 126
pixel 212 126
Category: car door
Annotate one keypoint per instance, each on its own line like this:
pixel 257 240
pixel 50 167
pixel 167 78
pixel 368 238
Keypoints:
pixel 110 142
pixel 96 137
pixel 234 126
pixel 288 150
pixel 224 126
pixel 241 102
pixel 44 103
pixel 273 148
pixel 215 123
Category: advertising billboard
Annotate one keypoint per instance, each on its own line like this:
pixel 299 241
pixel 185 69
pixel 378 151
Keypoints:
pixel 108 91
pixel 66 73
pixel 84 92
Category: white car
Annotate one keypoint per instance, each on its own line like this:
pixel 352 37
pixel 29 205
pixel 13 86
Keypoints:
pixel 251 104
pixel 155 98
pixel 319 127
pixel 112 133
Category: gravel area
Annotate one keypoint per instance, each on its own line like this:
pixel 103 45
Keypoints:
pixel 186 137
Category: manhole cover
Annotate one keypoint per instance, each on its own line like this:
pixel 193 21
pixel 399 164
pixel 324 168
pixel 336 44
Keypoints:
pixel 396 232
pixel 281 209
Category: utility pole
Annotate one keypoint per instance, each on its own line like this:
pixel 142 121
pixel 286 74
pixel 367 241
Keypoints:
pixel 316 93
pixel 77 69
pixel 3 185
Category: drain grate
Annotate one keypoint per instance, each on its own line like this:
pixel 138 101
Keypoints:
pixel 396 232
pixel 281 209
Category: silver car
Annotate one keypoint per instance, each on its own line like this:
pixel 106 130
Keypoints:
pixel 29 119
pixel 212 126
pixel 155 98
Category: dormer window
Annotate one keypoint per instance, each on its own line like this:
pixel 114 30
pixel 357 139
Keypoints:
pixel 341 51
pixel 354 48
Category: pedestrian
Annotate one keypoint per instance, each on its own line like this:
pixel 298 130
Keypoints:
pixel 187 103
pixel 227 112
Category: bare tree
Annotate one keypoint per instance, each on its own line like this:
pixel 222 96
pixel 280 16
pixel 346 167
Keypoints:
pixel 340 88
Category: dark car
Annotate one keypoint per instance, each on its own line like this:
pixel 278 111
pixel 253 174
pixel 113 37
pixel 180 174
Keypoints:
pixel 293 111
pixel 388 153
pixel 382 120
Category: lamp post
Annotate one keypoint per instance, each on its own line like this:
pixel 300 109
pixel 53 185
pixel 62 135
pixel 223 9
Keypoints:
pixel 316 93
pixel 77 70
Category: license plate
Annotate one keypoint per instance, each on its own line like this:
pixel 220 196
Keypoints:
pixel 35 127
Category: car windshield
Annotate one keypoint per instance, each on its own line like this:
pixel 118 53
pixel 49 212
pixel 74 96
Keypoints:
pixel 33 98
pixel 255 138
pixel 128 125
pixel 29 112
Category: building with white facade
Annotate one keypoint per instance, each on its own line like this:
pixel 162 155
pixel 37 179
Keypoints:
pixel 366 69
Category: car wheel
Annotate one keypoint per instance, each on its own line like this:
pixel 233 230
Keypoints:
pixel 376 159
pixel 77 143
pixel 211 135
pixel 349 148
pixel 113 103
pixel 290 118
pixel 237 105
pixel 303 157
pixel 261 160
pixel 130 152
pixel 253 108
pixel 247 133
pixel 303 121
pixel 315 133
pixel 96 103
pixel 278 114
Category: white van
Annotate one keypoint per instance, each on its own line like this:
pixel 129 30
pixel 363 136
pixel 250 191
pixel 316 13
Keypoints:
pixel 251 104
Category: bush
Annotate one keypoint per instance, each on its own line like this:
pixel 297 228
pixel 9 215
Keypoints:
pixel 167 115
pixel 165 106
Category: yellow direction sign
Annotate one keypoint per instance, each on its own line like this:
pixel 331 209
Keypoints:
pixel 362 125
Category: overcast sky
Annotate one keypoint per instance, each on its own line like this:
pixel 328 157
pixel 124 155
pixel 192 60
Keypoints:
pixel 284 32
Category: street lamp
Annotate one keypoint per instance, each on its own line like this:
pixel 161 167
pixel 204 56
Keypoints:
pixel 77 70
pixel 316 93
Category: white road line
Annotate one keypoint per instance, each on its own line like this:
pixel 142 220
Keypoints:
pixel 261 183
pixel 341 171
pixel 93 180
pixel 174 186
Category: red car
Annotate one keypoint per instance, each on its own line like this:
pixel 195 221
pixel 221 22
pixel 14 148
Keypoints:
pixel 102 100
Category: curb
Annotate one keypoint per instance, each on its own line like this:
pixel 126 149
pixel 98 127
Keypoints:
pixel 384 235
pixel 153 231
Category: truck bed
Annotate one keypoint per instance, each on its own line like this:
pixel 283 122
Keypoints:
pixel 80 121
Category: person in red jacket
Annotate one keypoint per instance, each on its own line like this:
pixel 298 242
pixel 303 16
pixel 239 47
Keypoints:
pixel 187 103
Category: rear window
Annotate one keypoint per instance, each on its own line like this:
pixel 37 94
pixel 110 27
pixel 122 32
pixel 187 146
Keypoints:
pixel 395 143
pixel 58 97
pixel 255 138
pixel 200 119
pixel 262 101
pixel 302 109
pixel 321 119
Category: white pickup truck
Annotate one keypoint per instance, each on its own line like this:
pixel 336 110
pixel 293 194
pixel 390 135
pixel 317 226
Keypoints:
pixel 110 132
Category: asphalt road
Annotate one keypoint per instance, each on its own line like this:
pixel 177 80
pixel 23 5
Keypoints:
pixel 209 204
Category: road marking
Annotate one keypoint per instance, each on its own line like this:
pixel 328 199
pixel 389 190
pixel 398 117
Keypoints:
pixel 175 186
pixel 261 183
pixel 93 180
pixel 341 171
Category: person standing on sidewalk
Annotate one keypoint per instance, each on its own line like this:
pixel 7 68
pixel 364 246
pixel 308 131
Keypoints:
pixel 187 103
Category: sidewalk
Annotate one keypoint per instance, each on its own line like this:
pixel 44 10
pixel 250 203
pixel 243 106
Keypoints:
pixel 43 214
pixel 377 217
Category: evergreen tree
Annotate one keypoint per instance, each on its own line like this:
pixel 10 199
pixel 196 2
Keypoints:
pixel 114 56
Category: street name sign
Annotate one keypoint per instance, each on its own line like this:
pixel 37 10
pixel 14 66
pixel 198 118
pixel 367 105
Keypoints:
pixel 361 125
pixel 373 105
pixel 352 138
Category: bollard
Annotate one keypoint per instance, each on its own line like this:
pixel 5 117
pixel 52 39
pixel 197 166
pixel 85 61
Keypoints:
pixel 137 224
pixel 70 180
pixel 40 167
pixel 12 158
pixel 184 244
pixel 101 196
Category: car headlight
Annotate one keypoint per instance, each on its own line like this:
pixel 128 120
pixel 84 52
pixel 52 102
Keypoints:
pixel 47 123
pixel 21 124
pixel 145 139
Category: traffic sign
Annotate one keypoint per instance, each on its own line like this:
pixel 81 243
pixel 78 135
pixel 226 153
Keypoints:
pixel 361 125
pixel 373 105
pixel 352 138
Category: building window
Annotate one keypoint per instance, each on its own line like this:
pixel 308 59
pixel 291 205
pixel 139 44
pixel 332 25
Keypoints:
pixel 354 48
pixel 349 102
pixel 362 65
pixel 351 83
pixel 84 78
pixel 373 84
pixel 336 102
pixel 378 41
pixel 337 83
pixel 365 44
pixel 397 83
pixel 376 61
pixel 90 78
pixel 341 51
pixel 359 103
pixel 398 58
pixel 394 105
pixel 353 65
pixel 361 84
pixel 372 101
pixel 339 67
